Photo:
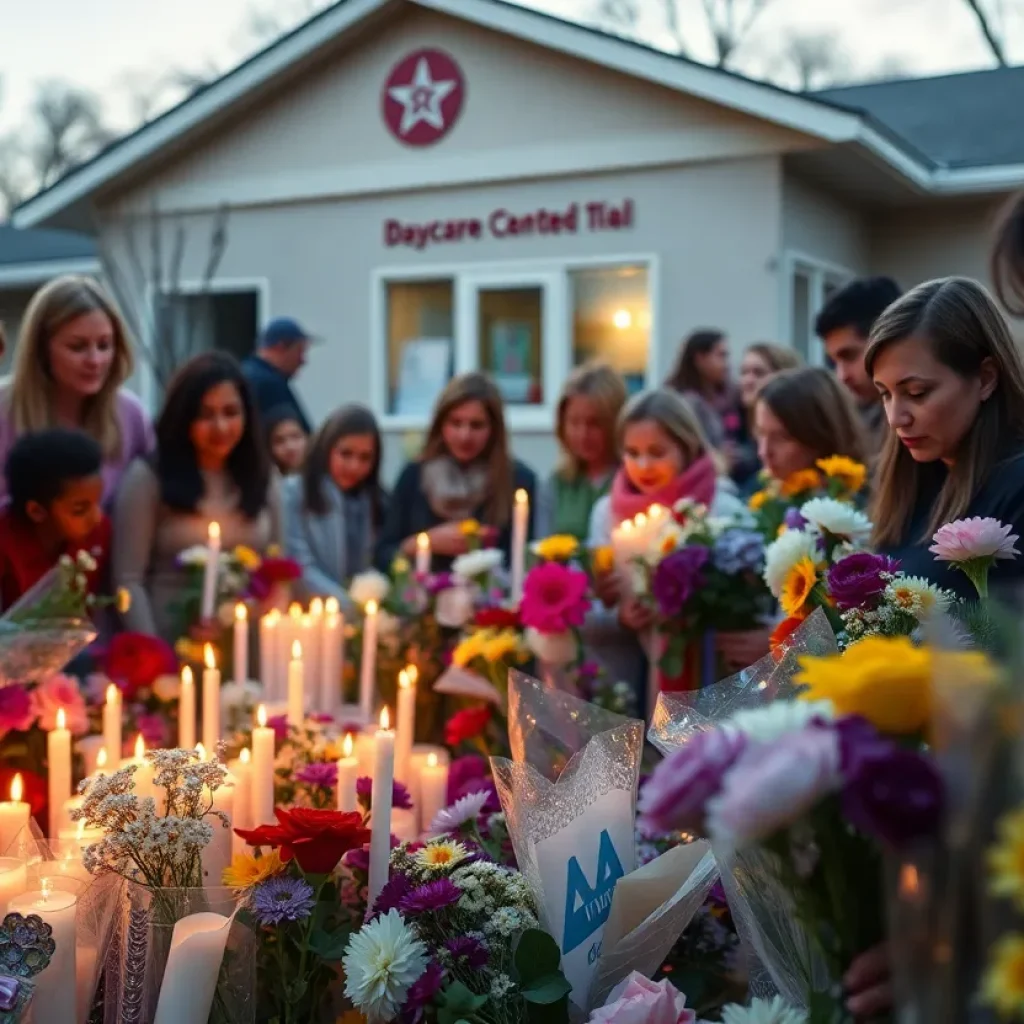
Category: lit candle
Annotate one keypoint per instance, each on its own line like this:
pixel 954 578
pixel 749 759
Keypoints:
pixel 89 747
pixel 348 772
pixel 101 763
pixel 13 817
pixel 270 628
pixel 420 753
pixel 66 863
pixel 56 986
pixel 520 524
pixel 405 724
pixel 368 668
pixel 80 835
pixel 292 632
pixel 262 770
pixel 331 657
pixel 380 808
pixel 312 647
pixel 58 767
pixel 211 701
pixel 145 771
pixel 422 554
pixel 187 710
pixel 211 571
pixel 296 688
pixel 112 722
pixel 433 789
pixel 13 881
pixel 216 855
pixel 241 771
pixel 241 644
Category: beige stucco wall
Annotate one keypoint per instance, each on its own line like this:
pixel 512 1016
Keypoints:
pixel 821 225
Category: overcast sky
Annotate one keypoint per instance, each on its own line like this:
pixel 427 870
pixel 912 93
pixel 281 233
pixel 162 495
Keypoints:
pixel 97 43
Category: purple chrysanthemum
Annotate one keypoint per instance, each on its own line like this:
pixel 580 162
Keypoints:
pixel 279 723
pixel 400 799
pixel 424 988
pixel 283 899
pixel 396 888
pixel 319 773
pixel 432 896
pixel 472 951
pixel 677 578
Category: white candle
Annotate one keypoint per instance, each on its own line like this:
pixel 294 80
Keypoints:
pixel 331 658
pixel 368 668
pixel 66 864
pixel 79 835
pixel 211 701
pixel 420 753
pixel 112 722
pixel 66 821
pixel 13 881
pixel 145 771
pixel 56 986
pixel 403 824
pixel 520 524
pixel 216 855
pixel 241 771
pixel 422 554
pixel 270 629
pixel 364 749
pixel 14 815
pixel 433 789
pixel 313 645
pixel 58 767
pixel 187 710
pixel 193 965
pixel 296 688
pixel 89 747
pixel 348 772
pixel 262 770
pixel 405 724
pixel 380 808
pixel 211 571
pixel 241 665
pixel 292 631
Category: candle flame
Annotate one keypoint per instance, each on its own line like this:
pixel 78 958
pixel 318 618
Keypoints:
pixel 422 542
pixel 80 833
pixel 45 888
pixel 295 610
pixel 385 719
pixel 272 618
pixel 656 511
pixel 522 498
pixel 640 520
pixel 261 717
pixel 201 751
pixel 403 679
pixel 101 758
pixel 241 612
pixel 245 756
pixel 626 527
pixel 186 676
pixel 910 881
pixel 316 607
pixel 140 747
pixel 112 693
pixel 331 606
pixel 432 760
pixel 208 657
pixel 346 745
pixel 296 651
pixel 214 532
pixel 371 607
pixel 414 674
pixel 17 788
pixel 62 719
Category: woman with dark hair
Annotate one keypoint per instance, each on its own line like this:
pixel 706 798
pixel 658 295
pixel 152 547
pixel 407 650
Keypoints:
pixel 335 507
pixel 210 465
pixel 465 471
pixel 286 438
pixel 1007 259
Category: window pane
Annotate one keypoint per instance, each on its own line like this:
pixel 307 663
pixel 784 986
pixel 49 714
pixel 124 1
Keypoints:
pixel 420 343
pixel 802 314
pixel 510 329
pixel 611 319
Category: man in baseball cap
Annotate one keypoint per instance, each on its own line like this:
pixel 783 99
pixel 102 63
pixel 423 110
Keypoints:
pixel 280 354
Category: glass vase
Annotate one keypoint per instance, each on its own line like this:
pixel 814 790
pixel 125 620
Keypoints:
pixel 30 652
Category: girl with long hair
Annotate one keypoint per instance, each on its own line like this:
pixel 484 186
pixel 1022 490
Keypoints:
pixel 464 471
pixel 210 464
pixel 335 507
pixel 72 358
pixel 287 440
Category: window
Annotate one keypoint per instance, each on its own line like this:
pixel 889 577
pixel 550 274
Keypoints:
pixel 420 343
pixel 509 338
pixel 811 284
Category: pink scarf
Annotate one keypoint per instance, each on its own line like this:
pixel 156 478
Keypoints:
pixel 697 483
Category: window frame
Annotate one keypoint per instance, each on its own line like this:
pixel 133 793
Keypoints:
pixel 467 278
pixel 818 273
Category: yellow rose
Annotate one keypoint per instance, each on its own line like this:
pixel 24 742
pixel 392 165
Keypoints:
pixel 558 548
pixel 603 559
pixel 850 473
pixel 800 481
pixel 469 528
pixel 248 559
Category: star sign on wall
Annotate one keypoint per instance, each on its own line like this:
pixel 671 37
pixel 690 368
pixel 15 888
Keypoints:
pixel 423 97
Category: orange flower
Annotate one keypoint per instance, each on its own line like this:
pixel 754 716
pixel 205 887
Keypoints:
pixel 802 579
pixel 800 481
pixel 782 632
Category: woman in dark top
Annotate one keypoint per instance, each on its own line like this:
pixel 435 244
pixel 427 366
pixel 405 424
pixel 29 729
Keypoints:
pixel 952 386
pixel 465 471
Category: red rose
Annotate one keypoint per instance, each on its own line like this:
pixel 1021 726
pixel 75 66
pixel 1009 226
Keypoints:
pixel 496 618
pixel 134 661
pixel 265 835
pixel 466 724
pixel 319 839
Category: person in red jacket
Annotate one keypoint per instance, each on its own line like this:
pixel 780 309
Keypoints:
pixel 55 488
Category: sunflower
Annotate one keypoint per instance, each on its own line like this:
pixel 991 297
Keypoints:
pixel 558 548
pixel 1003 984
pixel 802 579
pixel 1006 858
pixel 800 481
pixel 247 871
pixel 848 472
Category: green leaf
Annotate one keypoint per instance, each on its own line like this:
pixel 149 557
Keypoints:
pixel 547 989
pixel 458 1000
pixel 330 945
pixel 537 955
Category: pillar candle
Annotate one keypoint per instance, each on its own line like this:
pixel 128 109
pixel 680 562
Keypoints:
pixel 348 772
pixel 66 821
pixel 331 658
pixel 368 668
pixel 422 554
pixel 405 724
pixel 58 767
pixel 433 789
pixel 380 808
pixel 187 710
pixel 13 817
pixel 520 524
pixel 80 835
pixel 262 770
pixel 145 771
pixel 296 687
pixel 241 649
pixel 56 986
pixel 112 723
pixel 240 769
pixel 270 628
pixel 211 571
pixel 193 966
pixel 13 881
pixel 216 855
pixel 420 753
pixel 211 702
pixel 89 747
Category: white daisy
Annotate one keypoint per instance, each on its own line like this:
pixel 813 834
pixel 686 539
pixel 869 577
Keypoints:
pixel 369 586
pixel 382 960
pixel 917 596
pixel 837 518
pixel 767 724
pixel 783 553
pixel 465 809
pixel 761 1011
pixel 474 564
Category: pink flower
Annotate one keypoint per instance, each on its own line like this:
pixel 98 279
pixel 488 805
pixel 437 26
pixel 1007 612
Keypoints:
pixel 967 539
pixel 60 692
pixel 554 598
pixel 16 714
pixel 153 728
pixel 638 1000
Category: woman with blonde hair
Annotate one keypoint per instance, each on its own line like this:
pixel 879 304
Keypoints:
pixel 464 471
pixel 588 411
pixel 72 358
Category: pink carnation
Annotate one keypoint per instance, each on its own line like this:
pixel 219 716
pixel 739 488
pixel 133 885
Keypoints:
pixel 554 598
pixel 967 539
pixel 638 1000
pixel 16 714
pixel 60 692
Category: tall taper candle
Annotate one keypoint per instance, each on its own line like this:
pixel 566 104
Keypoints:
pixel 520 523
pixel 405 723
pixel 380 807
pixel 56 986
pixel 240 769
pixel 331 658
pixel 291 632
pixel 422 554
pixel 14 818
pixel 58 768
pixel 112 723
pixel 216 855
pixel 368 668
pixel 241 665
pixel 211 572
pixel 270 630
pixel 348 772
pixel 211 702
pixel 262 770
pixel 296 687
pixel 187 710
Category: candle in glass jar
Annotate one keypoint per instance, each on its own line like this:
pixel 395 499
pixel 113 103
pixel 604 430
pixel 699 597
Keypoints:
pixel 296 687
pixel 422 554
pixel 262 770
pixel 368 668
pixel 58 767
pixel 520 526
pixel 211 571
pixel 187 710
pixel 241 649
pixel 270 629
pixel 56 986
pixel 433 789
pixel 14 814
pixel 112 722
pixel 348 772
pixel 405 724
pixel 380 808
pixel 211 701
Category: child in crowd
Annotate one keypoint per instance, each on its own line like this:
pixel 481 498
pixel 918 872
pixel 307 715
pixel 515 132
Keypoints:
pixel 55 487
pixel 588 412
pixel 286 440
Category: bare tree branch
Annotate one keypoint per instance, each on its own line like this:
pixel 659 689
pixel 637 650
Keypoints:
pixel 729 22
pixel 996 45
pixel 813 60
pixel 68 127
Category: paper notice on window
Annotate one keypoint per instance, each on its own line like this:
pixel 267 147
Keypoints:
pixel 424 371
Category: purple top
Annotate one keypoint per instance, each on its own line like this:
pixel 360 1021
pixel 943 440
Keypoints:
pixel 136 439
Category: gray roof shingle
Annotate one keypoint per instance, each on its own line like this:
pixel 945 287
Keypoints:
pixel 40 245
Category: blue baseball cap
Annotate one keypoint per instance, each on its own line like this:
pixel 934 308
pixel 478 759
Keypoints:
pixel 283 330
